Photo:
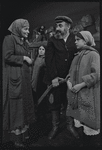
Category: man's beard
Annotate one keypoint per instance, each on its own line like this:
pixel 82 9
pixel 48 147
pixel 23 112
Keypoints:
pixel 59 35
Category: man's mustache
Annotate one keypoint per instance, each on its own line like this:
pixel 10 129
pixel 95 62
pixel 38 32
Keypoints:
pixel 57 31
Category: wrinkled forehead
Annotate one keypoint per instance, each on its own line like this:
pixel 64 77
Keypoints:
pixel 60 23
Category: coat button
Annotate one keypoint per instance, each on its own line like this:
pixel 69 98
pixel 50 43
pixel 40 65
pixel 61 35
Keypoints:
pixel 65 59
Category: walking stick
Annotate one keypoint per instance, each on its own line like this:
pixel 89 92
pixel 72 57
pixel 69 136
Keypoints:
pixel 49 89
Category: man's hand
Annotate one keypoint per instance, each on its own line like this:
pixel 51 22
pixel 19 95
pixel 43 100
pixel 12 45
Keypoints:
pixel 55 82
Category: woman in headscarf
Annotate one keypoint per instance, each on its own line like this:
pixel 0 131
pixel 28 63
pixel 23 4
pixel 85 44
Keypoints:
pixel 84 85
pixel 18 107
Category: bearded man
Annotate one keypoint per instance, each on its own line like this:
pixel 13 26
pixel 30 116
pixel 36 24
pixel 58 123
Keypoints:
pixel 58 57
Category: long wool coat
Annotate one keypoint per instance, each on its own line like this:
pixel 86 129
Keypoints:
pixel 86 69
pixel 18 107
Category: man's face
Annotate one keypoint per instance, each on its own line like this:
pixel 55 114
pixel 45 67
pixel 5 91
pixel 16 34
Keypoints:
pixel 61 29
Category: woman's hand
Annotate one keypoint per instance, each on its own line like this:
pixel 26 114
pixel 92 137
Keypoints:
pixel 27 59
pixel 76 88
pixel 69 84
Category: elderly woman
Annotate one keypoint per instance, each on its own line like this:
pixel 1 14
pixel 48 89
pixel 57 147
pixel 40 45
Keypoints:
pixel 18 107
pixel 84 85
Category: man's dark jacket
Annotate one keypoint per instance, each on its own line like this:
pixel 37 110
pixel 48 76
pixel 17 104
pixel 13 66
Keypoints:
pixel 58 57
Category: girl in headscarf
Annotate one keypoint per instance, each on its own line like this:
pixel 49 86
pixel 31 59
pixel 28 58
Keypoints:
pixel 39 67
pixel 18 107
pixel 84 85
pixel 39 62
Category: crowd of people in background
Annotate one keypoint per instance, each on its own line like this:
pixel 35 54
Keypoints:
pixel 31 65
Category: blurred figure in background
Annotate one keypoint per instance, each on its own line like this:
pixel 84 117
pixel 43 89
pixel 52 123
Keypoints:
pixel 97 34
pixel 77 28
pixel 38 72
pixel 38 39
pixel 88 23
pixel 50 32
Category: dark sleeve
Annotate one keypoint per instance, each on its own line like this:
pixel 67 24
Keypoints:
pixel 50 59
pixel 8 50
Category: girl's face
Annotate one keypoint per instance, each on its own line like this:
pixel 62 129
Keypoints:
pixel 41 50
pixel 25 32
pixel 79 42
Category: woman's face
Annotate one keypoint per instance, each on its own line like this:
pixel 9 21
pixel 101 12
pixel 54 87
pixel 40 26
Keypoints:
pixel 79 42
pixel 25 32
pixel 41 50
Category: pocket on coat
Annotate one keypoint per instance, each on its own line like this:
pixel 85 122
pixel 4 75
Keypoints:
pixel 15 82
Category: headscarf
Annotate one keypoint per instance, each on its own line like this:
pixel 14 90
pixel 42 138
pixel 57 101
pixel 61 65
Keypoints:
pixel 88 38
pixel 17 25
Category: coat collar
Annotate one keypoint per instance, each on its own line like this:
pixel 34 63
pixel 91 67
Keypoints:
pixel 88 49
pixel 18 39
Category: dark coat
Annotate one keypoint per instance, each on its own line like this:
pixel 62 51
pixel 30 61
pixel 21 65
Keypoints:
pixel 18 107
pixel 58 57
pixel 88 98
pixel 38 64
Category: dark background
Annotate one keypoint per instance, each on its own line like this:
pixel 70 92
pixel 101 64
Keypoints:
pixel 43 12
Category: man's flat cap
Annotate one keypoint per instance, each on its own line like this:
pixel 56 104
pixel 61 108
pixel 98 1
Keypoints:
pixel 63 18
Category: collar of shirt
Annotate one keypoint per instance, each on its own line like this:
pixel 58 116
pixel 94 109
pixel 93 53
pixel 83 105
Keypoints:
pixel 65 38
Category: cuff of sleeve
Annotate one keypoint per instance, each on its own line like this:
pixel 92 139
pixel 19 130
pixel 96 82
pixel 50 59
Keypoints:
pixel 88 80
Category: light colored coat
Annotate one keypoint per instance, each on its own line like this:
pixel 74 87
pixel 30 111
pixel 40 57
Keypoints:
pixel 88 98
